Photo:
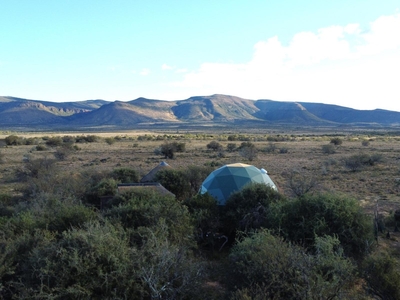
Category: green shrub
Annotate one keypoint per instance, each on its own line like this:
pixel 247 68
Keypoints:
pixel 31 141
pixel 168 270
pixel 67 139
pixel 54 141
pixel 204 213
pixel 15 262
pixel 195 175
pixel 41 147
pixel 355 162
pixel 6 205
pixel 169 149
pixel 91 138
pixel 146 209
pixel 110 140
pixel 263 264
pixel 300 220
pixel 283 150
pixel 230 147
pixel 106 187
pixel 375 158
pixel 214 145
pixel 174 181
pixel 63 152
pixel 336 141
pixel 381 273
pixel 125 175
pixel 13 140
pixel 50 213
pixel 248 208
pixel 248 150
pixel 91 262
pixel 35 168
pixel 86 139
pixel 365 143
pixel 358 161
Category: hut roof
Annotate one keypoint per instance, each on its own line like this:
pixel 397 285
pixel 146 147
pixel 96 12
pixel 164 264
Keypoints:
pixel 149 186
pixel 149 177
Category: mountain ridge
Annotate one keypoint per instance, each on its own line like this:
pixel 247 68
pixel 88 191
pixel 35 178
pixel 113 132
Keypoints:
pixel 217 108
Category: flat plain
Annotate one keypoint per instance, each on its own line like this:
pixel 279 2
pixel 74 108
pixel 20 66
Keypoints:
pixel 288 157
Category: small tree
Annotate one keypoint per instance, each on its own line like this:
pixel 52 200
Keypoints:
pixel 357 162
pixel 283 150
pixel 169 149
pixel 62 153
pixel 125 175
pixel 54 141
pixel 13 140
pixel 365 143
pixel 174 181
pixel 68 139
pixel 231 147
pixel 336 141
pixel 248 150
pixel 382 276
pixel 214 145
pixel 301 183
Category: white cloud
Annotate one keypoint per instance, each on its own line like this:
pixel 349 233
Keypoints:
pixel 183 70
pixel 384 35
pixel 166 67
pixel 145 72
pixel 336 64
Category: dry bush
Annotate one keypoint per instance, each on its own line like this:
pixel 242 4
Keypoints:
pixel 301 183
pixel 328 149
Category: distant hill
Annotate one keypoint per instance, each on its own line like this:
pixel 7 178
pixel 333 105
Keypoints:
pixel 221 109
pixel 25 112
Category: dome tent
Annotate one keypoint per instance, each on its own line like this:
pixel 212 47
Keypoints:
pixel 231 178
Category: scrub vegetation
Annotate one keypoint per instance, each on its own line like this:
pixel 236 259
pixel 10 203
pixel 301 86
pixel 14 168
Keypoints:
pixel 329 232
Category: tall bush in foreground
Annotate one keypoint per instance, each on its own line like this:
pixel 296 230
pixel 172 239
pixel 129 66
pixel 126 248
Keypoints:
pixel 248 208
pixel 174 181
pixel 300 220
pixel 262 264
pixel 381 273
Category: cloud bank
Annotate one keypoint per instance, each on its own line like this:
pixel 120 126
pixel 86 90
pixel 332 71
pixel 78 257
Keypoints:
pixel 346 65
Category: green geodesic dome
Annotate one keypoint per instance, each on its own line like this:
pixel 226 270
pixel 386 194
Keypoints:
pixel 228 179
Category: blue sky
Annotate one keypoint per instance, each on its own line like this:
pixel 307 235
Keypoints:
pixel 337 52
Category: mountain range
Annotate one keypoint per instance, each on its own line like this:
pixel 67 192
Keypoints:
pixel 214 109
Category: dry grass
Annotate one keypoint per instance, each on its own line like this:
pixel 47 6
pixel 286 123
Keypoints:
pixel 304 154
